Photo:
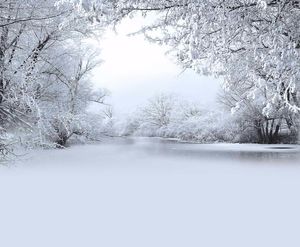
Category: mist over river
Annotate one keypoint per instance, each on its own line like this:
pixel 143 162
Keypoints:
pixel 145 192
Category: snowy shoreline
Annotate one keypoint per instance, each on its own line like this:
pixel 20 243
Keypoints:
pixel 251 147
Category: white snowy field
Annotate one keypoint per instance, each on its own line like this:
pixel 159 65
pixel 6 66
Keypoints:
pixel 152 193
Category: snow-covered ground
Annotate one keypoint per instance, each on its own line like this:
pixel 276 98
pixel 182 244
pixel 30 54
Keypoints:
pixel 152 193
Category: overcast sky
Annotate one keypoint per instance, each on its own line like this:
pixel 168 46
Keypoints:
pixel 135 70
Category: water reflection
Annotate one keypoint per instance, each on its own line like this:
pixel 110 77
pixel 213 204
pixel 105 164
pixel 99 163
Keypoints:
pixel 241 152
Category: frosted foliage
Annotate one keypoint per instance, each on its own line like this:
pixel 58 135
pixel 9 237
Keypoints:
pixel 255 41
pixel 253 44
pixel 45 65
pixel 168 116
pixel 171 117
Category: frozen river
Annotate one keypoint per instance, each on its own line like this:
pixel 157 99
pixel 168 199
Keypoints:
pixel 152 193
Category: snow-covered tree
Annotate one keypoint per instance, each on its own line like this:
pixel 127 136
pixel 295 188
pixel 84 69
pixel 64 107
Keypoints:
pixel 44 85
pixel 158 111
pixel 251 42
pixel 169 117
pixel 67 93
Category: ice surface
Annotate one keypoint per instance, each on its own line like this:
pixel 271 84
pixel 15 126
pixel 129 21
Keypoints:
pixel 152 193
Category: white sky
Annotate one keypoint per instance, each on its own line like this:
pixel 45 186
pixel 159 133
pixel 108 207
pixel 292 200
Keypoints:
pixel 135 70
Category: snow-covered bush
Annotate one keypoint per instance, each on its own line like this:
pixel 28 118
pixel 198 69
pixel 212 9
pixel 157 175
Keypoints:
pixel 127 126
pixel 210 127
pixel 165 117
